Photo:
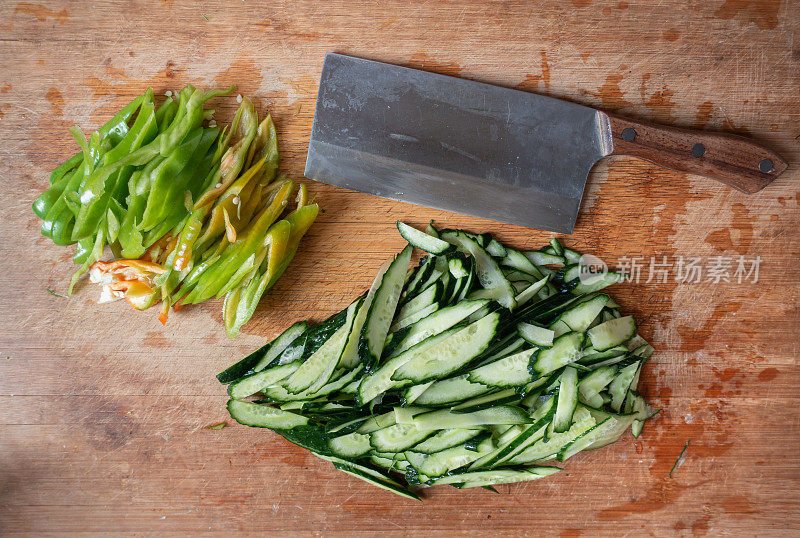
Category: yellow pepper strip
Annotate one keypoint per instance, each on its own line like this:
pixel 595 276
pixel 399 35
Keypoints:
pixel 302 196
pixel 228 202
pixel 235 157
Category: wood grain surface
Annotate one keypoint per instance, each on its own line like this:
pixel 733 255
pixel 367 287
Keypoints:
pixel 102 409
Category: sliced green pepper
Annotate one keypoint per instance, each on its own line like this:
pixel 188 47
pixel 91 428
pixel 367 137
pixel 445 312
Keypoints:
pixel 216 277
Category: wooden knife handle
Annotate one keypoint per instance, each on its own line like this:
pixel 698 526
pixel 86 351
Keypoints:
pixel 732 159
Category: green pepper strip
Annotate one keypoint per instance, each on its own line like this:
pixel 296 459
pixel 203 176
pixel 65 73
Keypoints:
pixel 48 199
pixel 186 120
pixel 245 299
pixel 230 202
pixel 144 129
pixel 168 186
pixel 234 159
pixel 232 258
pixel 230 166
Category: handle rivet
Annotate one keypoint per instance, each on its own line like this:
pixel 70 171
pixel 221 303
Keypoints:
pixel 698 150
pixel 628 134
pixel 765 166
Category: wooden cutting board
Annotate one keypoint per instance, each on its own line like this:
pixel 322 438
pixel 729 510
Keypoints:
pixel 103 409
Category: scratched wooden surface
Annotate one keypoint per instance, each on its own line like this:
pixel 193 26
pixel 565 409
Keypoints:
pixel 102 410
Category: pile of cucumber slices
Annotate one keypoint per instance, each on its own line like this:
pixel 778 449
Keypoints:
pixel 474 368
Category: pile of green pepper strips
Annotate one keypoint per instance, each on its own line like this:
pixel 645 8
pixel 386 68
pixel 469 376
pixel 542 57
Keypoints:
pixel 191 211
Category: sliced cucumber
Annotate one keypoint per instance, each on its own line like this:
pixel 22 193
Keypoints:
pixel 444 439
pixel 377 422
pixel 458 266
pixel 565 350
pixel 452 390
pixel 264 416
pixel 508 446
pixel 450 354
pixel 438 322
pixel 422 240
pixel 411 319
pixel 247 386
pixel 597 282
pixel 486 401
pixel 382 379
pixel 567 400
pixel 486 269
pixel 618 389
pixel 316 371
pixel 530 292
pixel 517 260
pixel 590 386
pixel 264 356
pixel 382 309
pixel 553 443
pixel 537 257
pixel 370 476
pixel 415 391
pixel 445 419
pixel 421 275
pixel 612 333
pixel 497 476
pixel 580 317
pixel 533 334
pixel 495 248
pixel 510 371
pixel 431 230
pixel 351 445
pixel 397 437
pixel 439 463
pixel 606 432
pixel 277 392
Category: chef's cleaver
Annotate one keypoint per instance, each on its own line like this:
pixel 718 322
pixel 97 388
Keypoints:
pixel 493 152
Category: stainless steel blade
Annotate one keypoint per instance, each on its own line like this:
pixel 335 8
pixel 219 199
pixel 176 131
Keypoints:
pixel 453 144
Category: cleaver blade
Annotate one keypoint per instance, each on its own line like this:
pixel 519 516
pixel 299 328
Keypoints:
pixel 469 147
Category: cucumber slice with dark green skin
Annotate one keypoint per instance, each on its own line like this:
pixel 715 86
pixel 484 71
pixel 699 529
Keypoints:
pixel 554 442
pixel 422 240
pixel 612 333
pixel 618 389
pixel 445 419
pixel 279 393
pixel 440 463
pixel 382 310
pixel 437 322
pixel 444 439
pixel 606 432
pixel 590 386
pixel 369 475
pixel 493 399
pixel 510 371
pixel 397 437
pixel 567 400
pixel 497 476
pixel 537 257
pixel 261 358
pixel 565 350
pixel 421 275
pixel 579 317
pixel 533 334
pixel 486 268
pixel 264 416
pixel 450 391
pixel 450 354
pixel 249 385
pixel 351 445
